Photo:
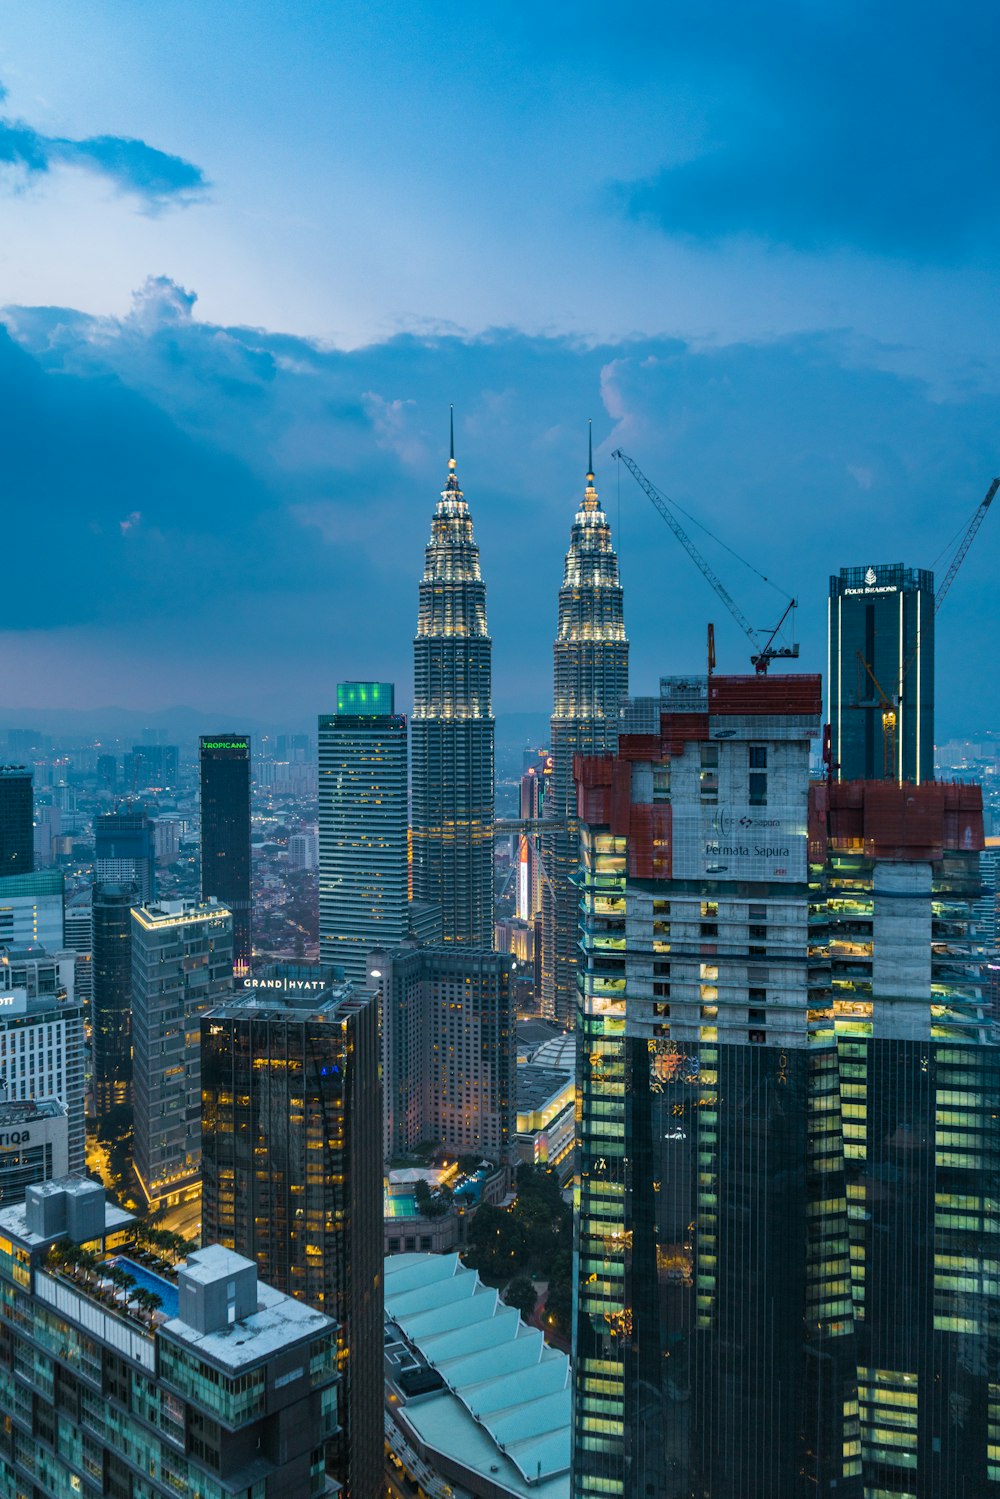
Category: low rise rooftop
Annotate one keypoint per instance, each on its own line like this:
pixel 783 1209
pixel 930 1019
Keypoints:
pixel 502 1417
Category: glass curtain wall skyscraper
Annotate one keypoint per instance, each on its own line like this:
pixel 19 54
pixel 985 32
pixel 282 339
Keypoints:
pixel 125 851
pixel 880 637
pixel 112 996
pixel 363 869
pixel 225 835
pixel 788 1083
pixel 17 832
pixel 453 729
pixel 590 680
pixel 291 1105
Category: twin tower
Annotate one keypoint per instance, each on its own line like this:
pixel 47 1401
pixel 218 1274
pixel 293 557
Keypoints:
pixel 453 729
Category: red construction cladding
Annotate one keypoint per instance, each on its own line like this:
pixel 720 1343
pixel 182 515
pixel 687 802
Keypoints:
pixel 802 694
pixel 883 820
pixel 650 840
pixel 679 729
pixel 604 799
pixel 592 774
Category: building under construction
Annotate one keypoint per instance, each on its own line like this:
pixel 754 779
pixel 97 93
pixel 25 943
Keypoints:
pixel 788 1091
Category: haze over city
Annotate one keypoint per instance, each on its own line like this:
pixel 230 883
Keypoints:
pixel 251 256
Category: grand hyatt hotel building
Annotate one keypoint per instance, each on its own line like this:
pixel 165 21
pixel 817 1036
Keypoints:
pixel 788 1247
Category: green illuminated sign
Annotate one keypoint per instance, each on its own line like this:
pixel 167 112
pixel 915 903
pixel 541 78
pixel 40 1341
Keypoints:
pixel 363 699
pixel 226 744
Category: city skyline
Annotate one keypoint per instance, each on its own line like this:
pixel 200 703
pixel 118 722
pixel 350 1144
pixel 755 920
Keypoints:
pixel 788 335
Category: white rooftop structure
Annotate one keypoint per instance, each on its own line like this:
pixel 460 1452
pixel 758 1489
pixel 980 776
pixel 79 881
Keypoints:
pixel 279 1321
pixel 505 1410
pixel 558 1052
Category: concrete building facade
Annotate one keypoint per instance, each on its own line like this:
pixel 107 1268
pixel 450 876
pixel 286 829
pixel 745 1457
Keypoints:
pixel 448 1049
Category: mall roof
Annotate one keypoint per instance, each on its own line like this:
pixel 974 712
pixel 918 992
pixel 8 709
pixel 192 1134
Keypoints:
pixel 558 1051
pixel 507 1396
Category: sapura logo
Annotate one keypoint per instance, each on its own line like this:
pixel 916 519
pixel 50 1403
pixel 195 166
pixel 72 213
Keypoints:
pixel 726 822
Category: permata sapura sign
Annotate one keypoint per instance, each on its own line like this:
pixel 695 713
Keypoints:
pixel 737 842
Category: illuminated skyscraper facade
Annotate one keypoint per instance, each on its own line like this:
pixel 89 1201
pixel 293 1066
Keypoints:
pixel 880 639
pixel 362 826
pixel 225 835
pixel 787 1088
pixel 590 681
pixel 292 1166
pixel 182 965
pixel 452 730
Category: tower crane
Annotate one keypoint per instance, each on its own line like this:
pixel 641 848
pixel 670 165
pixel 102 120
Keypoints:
pixel 965 543
pixel 891 706
pixel 764 653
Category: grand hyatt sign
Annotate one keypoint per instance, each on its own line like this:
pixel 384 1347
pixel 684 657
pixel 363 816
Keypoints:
pixel 286 986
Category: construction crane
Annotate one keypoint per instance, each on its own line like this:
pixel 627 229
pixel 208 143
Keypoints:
pixel 764 653
pixel 892 707
pixel 888 707
pixel 964 545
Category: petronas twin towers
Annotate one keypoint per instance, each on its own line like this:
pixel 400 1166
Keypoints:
pixel 453 728
pixel 590 681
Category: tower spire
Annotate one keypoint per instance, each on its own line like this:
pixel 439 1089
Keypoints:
pixel 451 453
pixel 590 451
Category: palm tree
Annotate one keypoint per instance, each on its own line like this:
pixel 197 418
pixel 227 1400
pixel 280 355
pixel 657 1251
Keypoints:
pixel 87 1262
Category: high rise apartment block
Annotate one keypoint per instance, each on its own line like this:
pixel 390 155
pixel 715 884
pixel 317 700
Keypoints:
pixel 17 816
pixel 125 852
pixel 786 1072
pixel 78 928
pixel 880 671
pixel 590 681
pixel 226 1388
pixel 182 965
pixel 363 868
pixel 225 835
pixel 293 1173
pixel 448 1049
pixel 453 729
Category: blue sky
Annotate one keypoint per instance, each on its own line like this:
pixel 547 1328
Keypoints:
pixel 249 254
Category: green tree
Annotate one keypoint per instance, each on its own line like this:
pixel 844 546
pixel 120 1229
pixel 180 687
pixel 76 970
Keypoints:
pixel 521 1293
pixel 559 1301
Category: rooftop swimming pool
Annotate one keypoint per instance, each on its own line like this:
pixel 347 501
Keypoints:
pixel 165 1289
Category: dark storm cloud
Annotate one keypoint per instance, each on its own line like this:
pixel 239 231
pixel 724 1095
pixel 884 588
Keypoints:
pixel 155 176
pixel 826 126
pixel 172 481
